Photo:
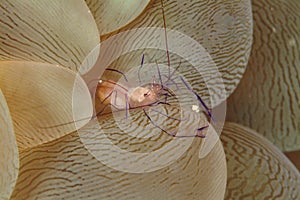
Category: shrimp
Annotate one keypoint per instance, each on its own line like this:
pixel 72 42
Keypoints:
pixel 111 96
pixel 121 97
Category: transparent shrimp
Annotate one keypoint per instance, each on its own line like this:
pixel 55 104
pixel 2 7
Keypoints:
pixel 145 96
pixel 113 96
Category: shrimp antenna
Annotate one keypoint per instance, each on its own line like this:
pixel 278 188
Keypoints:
pixel 142 63
pixel 166 36
pixel 126 106
pixel 174 71
pixel 169 78
pixel 159 75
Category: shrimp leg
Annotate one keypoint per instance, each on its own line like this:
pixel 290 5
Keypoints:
pixel 173 134
pixel 198 97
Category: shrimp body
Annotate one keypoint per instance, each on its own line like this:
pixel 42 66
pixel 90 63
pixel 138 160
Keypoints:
pixel 144 95
pixel 121 97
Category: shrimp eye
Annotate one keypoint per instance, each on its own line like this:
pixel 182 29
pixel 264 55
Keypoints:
pixel 146 94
